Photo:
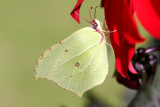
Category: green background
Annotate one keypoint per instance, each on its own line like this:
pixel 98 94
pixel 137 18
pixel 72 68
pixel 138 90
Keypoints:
pixel 27 29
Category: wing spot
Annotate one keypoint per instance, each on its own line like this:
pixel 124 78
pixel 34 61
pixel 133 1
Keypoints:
pixel 66 50
pixel 35 76
pixel 50 48
pixel 35 71
pixel 77 64
pixel 42 55
pixel 37 63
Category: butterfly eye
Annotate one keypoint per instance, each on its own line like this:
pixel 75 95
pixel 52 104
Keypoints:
pixel 95 24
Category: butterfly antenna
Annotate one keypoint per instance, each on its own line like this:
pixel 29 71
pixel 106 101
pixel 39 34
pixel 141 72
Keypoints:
pixel 95 11
pixel 82 17
pixel 90 13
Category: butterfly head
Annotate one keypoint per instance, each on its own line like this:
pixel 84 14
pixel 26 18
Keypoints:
pixel 95 23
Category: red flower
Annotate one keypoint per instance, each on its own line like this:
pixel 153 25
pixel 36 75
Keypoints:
pixel 119 16
pixel 148 13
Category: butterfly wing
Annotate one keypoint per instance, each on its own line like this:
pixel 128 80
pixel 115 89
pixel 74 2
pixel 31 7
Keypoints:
pixel 78 63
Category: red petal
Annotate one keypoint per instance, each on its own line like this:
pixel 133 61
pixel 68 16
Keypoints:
pixel 119 16
pixel 148 12
pixel 118 13
pixel 131 68
pixel 124 52
pixel 76 9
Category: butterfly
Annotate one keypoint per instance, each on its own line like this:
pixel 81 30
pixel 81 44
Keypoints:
pixel 79 62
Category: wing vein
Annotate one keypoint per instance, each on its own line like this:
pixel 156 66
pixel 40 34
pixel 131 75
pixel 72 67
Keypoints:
pixel 78 54
pixel 100 63
pixel 89 62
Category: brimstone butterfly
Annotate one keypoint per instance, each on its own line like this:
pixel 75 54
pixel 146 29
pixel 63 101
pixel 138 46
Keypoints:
pixel 79 62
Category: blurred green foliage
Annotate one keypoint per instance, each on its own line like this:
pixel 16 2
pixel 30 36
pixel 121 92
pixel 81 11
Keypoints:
pixel 27 29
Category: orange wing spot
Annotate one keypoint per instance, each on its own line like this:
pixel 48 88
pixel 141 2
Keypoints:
pixel 37 63
pixel 66 50
pixel 42 55
pixel 77 64
pixel 50 48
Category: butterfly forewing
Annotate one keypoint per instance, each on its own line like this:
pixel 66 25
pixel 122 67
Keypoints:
pixel 78 63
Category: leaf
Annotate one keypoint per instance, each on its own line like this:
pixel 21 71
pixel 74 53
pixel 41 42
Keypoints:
pixel 77 64
pixel 149 96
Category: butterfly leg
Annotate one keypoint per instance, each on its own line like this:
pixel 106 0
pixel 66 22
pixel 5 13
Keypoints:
pixel 102 34
pixel 108 31
pixel 102 39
